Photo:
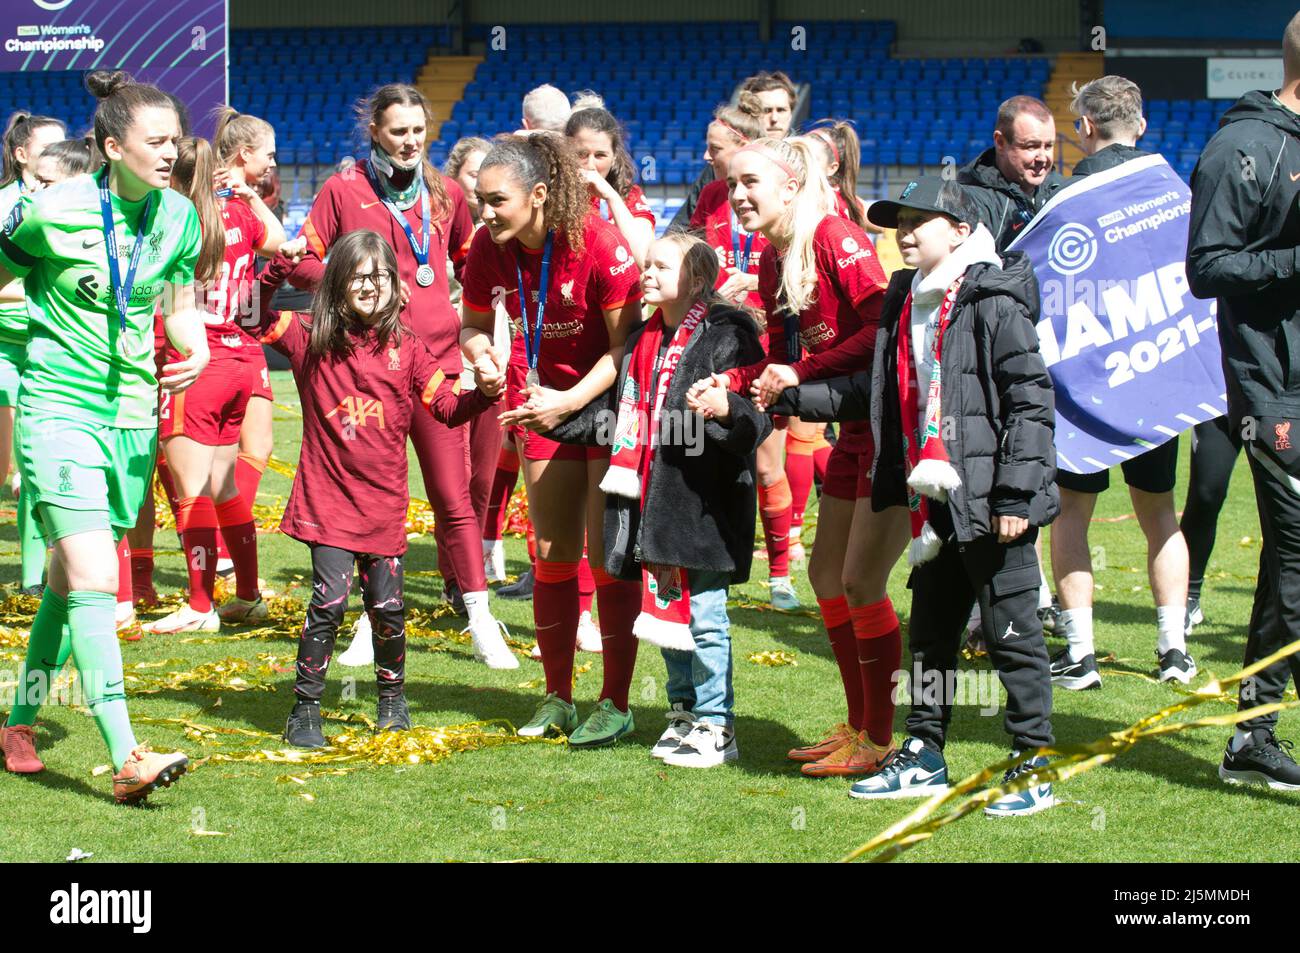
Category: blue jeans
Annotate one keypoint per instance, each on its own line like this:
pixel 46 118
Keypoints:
pixel 701 680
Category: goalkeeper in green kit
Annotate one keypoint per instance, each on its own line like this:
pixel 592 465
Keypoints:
pixel 97 255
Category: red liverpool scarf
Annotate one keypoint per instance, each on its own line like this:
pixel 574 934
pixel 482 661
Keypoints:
pixel 665 591
pixel 929 474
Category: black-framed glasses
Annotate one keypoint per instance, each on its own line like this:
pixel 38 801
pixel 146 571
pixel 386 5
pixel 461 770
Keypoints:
pixel 379 279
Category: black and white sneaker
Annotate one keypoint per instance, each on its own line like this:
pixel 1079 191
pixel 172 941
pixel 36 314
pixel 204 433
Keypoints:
pixel 1194 615
pixel 680 723
pixel 707 746
pixel 1176 666
pixel 1264 760
pixel 1076 676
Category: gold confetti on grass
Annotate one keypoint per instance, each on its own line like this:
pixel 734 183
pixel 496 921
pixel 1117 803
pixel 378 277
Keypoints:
pixel 227 674
pixel 351 749
pixel 775 659
pixel 970 794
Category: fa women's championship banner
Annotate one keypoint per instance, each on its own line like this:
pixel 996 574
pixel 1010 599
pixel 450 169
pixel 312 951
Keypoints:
pixel 1134 357
pixel 179 45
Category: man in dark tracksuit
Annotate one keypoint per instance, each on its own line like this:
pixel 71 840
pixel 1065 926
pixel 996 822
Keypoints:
pixel 1011 181
pixel 1242 250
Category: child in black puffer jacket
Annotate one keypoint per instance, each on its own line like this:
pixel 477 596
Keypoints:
pixel 970 452
pixel 679 509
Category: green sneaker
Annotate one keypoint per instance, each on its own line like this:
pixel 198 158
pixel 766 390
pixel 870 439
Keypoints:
pixel 604 726
pixel 553 714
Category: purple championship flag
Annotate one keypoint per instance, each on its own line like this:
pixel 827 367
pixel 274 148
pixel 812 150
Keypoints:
pixel 1134 357
pixel 178 46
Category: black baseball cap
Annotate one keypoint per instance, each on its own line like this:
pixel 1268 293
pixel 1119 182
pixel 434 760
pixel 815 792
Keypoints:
pixel 929 193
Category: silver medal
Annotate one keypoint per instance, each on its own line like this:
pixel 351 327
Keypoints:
pixel 532 380
pixel 424 276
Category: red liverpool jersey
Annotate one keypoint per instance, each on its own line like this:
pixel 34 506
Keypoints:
pixel 582 287
pixel 347 202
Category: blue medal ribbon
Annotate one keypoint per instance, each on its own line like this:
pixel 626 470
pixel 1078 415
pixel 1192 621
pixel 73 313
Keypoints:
pixel 533 336
pixel 122 289
pixel 421 248
pixel 742 262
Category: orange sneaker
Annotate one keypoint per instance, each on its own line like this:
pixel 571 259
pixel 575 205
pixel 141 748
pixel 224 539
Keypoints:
pixel 856 757
pixel 19 746
pixel 840 734
pixel 145 771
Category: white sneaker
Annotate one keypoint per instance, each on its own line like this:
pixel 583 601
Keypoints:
pixel 125 615
pixel 588 635
pixel 783 594
pixel 707 746
pixel 186 619
pixel 680 723
pixel 361 650
pixel 494 560
pixel 537 651
pixel 225 566
pixel 488 635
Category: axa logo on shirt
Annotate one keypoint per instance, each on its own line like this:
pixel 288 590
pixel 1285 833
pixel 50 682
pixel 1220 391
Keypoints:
pixel 853 251
pixel 358 410
pixel 625 261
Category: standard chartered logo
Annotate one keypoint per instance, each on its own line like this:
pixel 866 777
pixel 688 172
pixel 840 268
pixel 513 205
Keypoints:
pixel 1073 248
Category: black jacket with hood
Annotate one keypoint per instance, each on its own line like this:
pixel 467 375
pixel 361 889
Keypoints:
pixel 1106 158
pixel 1003 207
pixel 701 501
pixel 1242 249
pixel 996 391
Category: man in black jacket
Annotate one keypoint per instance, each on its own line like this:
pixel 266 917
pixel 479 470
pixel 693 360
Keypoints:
pixel 1013 180
pixel 1110 122
pixel 1244 249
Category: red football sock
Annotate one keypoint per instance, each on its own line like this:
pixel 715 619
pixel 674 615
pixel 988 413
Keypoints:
pixel 503 486
pixel 555 620
pixel 799 473
pixel 237 526
pixel 880 649
pixel 620 604
pixel 839 626
pixel 586 584
pixel 141 571
pixel 248 477
pixel 774 508
pixel 197 522
pixel 123 570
